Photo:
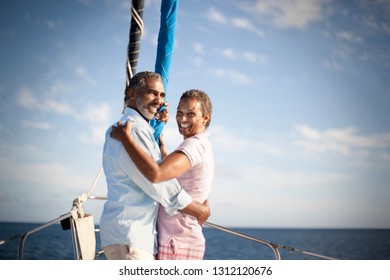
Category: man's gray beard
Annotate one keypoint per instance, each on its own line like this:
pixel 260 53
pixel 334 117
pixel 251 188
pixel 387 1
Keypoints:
pixel 141 107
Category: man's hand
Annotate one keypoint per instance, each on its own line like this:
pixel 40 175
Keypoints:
pixel 163 116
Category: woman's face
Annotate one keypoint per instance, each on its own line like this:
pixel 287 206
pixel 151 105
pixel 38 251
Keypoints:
pixel 189 117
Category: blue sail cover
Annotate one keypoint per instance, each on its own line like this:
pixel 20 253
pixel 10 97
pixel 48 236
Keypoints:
pixel 166 38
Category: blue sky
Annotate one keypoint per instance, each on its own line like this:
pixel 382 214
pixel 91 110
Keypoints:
pixel 301 95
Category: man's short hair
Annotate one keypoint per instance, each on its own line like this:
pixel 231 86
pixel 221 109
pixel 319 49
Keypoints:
pixel 139 80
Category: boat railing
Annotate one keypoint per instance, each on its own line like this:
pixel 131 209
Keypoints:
pixel 274 246
pixel 25 235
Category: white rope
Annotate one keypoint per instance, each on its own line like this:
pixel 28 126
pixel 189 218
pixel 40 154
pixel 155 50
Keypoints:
pixel 138 20
pixel 94 182
pixel 77 202
pixel 130 73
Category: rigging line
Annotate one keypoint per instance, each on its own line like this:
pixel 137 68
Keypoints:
pixel 13 237
pixel 291 249
pixel 240 234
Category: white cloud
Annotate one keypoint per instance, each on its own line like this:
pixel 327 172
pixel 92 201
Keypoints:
pixel 386 27
pixel 344 141
pixel 216 16
pixel 39 125
pixel 198 48
pixel 255 57
pixel 224 139
pixel 96 116
pixel 252 57
pixel 232 75
pixel 288 13
pixel 89 3
pixel 244 23
pixel 349 36
pixel 27 99
pixel 40 173
pixel 339 56
pixel 51 24
pixel 83 73
pixel 229 53
pixel 60 108
pixel 59 88
pixel 95 135
pixel 13 152
pixel 375 24
pixel 197 61
pixel 97 113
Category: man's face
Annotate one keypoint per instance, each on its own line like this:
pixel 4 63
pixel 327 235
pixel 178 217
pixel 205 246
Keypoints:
pixel 150 98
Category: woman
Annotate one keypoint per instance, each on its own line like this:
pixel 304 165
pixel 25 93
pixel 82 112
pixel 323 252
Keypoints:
pixel 180 236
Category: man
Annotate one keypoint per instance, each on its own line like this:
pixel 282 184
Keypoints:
pixel 128 221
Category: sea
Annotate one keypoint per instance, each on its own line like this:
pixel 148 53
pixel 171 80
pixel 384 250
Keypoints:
pixel 54 243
